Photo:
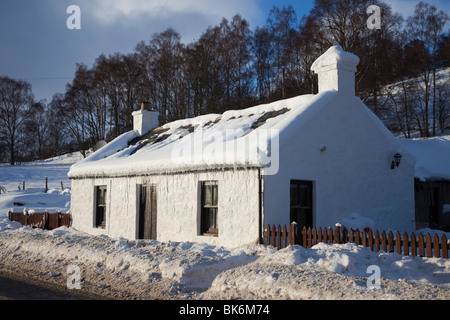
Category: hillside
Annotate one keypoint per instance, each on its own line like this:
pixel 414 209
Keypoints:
pixel 34 174
pixel 401 105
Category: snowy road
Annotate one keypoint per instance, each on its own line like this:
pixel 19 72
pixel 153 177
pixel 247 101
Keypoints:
pixel 15 289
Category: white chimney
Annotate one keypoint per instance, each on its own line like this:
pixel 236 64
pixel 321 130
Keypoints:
pixel 145 120
pixel 336 70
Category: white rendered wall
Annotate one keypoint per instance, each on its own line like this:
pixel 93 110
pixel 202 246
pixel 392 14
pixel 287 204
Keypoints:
pixel 178 206
pixel 353 175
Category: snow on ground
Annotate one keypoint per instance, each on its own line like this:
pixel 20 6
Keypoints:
pixel 183 270
pixel 34 196
pixel 118 268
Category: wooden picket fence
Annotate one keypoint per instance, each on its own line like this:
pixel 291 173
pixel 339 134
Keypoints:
pixel 422 246
pixel 41 220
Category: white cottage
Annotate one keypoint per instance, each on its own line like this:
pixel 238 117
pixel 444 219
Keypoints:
pixel 219 179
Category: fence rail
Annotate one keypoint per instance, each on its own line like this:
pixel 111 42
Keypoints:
pixel 42 220
pixel 423 246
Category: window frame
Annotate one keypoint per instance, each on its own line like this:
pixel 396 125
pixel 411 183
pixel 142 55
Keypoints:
pixel 103 205
pixel 209 212
pixel 304 208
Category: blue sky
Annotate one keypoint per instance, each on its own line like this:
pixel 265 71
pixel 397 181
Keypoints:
pixel 37 46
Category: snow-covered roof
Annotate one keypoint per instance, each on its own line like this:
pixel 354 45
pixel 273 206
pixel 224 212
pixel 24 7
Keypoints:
pixel 242 138
pixel 432 157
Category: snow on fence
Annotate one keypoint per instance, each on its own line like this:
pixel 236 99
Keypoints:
pixel 423 246
pixel 42 220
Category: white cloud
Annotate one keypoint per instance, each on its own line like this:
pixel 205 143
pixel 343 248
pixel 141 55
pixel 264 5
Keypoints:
pixel 406 7
pixel 110 11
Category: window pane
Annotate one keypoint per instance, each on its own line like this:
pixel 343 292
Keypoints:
pixel 208 195
pixel 215 195
pixel 211 218
pixel 212 222
pixel 101 196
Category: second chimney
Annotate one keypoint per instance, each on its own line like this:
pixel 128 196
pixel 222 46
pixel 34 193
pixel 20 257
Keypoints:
pixel 145 120
pixel 336 71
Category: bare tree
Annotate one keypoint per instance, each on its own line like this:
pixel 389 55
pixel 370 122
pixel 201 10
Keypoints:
pixel 85 109
pixel 263 56
pixel 56 126
pixel 162 59
pixel 15 98
pixel 426 25
pixel 35 130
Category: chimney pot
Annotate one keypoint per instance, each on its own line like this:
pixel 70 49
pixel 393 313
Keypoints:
pixel 145 105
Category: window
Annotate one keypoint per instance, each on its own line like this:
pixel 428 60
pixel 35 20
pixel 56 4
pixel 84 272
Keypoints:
pixel 209 208
pixel 100 208
pixel 301 203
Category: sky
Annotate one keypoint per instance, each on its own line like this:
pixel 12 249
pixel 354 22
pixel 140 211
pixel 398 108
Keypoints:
pixel 37 46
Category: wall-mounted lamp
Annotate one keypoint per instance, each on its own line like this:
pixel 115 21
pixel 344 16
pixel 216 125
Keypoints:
pixel 396 161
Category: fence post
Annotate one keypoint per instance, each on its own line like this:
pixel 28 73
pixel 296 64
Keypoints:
pixel 413 245
pixel 304 237
pixel 44 222
pixel 337 234
pixel 405 244
pixel 364 238
pixel 370 235
pixel 279 237
pixel 330 236
pixel 377 241
pixel 314 239
pixel 357 237
pixel 274 231
pixel 351 237
pixel 444 246
pixel 428 245
pixel 421 245
pixel 391 241
pixel 345 236
pixel 436 246
pixel 284 234
pixel 398 242
pixel 291 233
pixel 310 237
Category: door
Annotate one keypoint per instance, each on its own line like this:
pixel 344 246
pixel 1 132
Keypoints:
pixel 147 212
pixel 435 205
pixel 301 203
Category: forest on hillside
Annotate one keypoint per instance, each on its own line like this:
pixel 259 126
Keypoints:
pixel 403 76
